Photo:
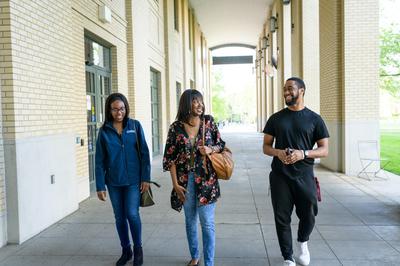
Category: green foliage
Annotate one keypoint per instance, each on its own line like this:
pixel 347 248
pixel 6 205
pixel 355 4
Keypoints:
pixel 390 61
pixel 390 52
pixel 221 110
pixel 391 84
pixel 234 104
pixel 390 146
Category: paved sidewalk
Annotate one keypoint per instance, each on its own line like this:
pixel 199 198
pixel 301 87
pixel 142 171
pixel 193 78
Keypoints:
pixel 358 222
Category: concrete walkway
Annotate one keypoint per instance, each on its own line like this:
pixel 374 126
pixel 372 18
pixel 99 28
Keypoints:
pixel 358 222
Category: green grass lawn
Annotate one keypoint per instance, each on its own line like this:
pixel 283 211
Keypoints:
pixel 390 149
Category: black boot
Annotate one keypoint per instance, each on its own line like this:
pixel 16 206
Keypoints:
pixel 137 256
pixel 125 257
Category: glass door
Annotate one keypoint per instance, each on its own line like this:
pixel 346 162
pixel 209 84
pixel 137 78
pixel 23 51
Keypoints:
pixel 98 87
pixel 155 110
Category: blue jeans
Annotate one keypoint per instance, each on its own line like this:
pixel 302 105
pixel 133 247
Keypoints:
pixel 206 213
pixel 125 201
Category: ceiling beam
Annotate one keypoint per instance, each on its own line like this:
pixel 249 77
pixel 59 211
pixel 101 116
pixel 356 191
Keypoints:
pixel 225 60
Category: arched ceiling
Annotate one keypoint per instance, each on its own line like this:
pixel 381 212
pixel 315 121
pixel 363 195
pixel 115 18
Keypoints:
pixel 231 21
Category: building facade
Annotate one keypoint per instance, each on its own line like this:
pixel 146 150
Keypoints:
pixel 334 47
pixel 59 60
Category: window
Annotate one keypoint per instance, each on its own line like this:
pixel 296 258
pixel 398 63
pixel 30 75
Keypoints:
pixel 190 29
pixel 178 94
pixel 155 110
pixel 96 54
pixel 176 14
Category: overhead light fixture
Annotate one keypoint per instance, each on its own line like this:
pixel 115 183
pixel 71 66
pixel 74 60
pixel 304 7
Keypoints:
pixel 260 54
pixel 105 14
pixel 286 2
pixel 274 61
pixel 273 24
pixel 265 43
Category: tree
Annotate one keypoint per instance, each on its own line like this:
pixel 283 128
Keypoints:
pixel 221 110
pixel 390 61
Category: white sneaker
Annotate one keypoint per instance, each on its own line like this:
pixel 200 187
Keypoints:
pixel 289 263
pixel 304 256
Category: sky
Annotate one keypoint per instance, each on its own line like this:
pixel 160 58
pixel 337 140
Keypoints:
pixel 389 13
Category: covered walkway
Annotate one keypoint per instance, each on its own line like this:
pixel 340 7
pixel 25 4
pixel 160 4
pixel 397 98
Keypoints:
pixel 358 222
pixel 58 67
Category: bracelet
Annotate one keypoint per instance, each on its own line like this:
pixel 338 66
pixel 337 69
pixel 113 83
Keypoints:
pixel 212 150
pixel 304 154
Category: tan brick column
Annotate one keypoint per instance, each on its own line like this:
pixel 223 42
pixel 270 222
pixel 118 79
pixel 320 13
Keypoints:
pixel 360 77
pixel 287 42
pixel 349 78
pixel 6 90
pixel 310 53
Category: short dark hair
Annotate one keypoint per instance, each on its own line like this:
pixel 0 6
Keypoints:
pixel 299 82
pixel 112 98
pixel 185 104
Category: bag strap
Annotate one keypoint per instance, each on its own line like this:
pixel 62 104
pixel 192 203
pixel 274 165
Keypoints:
pixel 155 183
pixel 138 148
pixel 137 143
pixel 204 143
pixel 204 130
pixel 140 156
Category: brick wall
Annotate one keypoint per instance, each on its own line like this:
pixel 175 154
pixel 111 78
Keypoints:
pixel 331 60
pixel 39 102
pixel 44 92
pixel 79 93
pixel 310 53
pixel 296 41
pixel 349 51
pixel 5 85
pixel 349 79
pixel 361 55
pixel 42 67
pixel 130 53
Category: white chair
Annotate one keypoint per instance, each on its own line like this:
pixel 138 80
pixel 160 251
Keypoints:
pixel 371 162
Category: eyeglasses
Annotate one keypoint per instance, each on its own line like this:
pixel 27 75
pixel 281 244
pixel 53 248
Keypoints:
pixel 116 110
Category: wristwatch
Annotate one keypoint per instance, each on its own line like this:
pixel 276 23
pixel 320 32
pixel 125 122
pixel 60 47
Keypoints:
pixel 306 154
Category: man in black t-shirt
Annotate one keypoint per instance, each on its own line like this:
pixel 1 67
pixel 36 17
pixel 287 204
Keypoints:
pixel 295 130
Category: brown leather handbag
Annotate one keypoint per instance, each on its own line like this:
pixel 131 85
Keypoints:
pixel 222 162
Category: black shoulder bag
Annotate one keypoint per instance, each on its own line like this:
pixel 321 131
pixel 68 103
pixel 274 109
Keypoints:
pixel 146 198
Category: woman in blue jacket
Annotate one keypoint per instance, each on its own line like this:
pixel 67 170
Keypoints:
pixel 124 171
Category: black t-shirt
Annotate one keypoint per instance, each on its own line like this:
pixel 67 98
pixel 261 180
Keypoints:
pixel 298 130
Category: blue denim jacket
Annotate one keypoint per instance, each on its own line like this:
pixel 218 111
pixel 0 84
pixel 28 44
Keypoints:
pixel 117 159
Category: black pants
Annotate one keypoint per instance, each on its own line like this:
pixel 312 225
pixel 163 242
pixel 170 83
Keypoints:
pixel 286 193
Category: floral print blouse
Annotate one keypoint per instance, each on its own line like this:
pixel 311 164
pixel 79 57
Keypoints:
pixel 178 150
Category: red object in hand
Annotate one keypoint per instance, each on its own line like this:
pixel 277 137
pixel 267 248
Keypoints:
pixel 318 189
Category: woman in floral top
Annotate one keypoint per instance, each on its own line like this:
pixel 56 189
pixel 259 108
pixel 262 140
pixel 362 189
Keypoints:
pixel 194 180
